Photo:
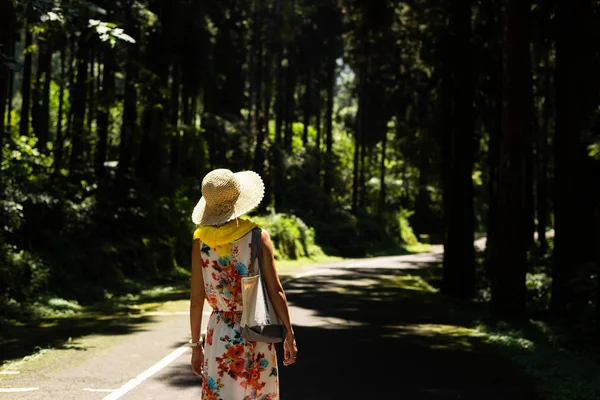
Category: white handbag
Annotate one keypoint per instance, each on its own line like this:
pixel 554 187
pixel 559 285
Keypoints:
pixel 260 322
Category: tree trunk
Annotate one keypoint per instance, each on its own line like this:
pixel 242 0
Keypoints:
pixel 11 85
pixel 382 174
pixel 260 151
pixel 128 128
pixel 573 202
pixel 529 199
pixel 253 44
pixel 510 251
pixel 279 101
pixel 268 89
pixel 59 143
pixel 277 148
pixel 106 100
pixel 45 114
pixel 41 95
pixel 259 67
pixel 328 179
pixel 149 157
pixel 358 140
pixel 7 28
pixel 26 89
pixel 307 106
pixel 597 265
pixel 459 253
pixel 542 152
pixel 130 113
pixel 175 139
pixel 91 100
pixel 289 107
pixel 364 158
pixel 198 157
pixel 78 102
pixel 318 140
pixel 423 200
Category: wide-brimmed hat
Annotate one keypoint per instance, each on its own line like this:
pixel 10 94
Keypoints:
pixel 226 196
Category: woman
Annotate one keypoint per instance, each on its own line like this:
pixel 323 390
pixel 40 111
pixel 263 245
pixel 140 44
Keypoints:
pixel 232 367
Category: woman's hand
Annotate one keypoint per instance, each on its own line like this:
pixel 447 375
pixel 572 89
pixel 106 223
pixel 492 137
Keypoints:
pixel 290 350
pixel 197 360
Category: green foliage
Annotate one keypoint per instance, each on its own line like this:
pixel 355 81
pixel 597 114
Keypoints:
pixel 594 150
pixel 23 275
pixel 109 31
pixel 406 232
pixel 538 290
pixel 291 237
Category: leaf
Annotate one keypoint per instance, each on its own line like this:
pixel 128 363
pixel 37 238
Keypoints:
pixel 52 16
pixel 594 150
pixel 108 31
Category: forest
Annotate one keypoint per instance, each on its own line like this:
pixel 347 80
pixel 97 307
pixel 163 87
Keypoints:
pixel 377 125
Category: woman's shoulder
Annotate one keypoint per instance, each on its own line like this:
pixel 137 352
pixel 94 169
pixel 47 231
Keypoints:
pixel 264 235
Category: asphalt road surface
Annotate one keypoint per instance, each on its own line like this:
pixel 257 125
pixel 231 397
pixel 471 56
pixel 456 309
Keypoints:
pixel 355 337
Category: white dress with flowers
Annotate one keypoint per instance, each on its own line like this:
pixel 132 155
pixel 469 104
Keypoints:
pixel 234 369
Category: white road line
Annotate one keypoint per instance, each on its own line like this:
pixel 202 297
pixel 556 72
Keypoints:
pixel 117 394
pixel 13 390
pixel 10 372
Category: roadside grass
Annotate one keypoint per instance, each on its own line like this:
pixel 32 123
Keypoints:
pixel 559 373
pixel 57 326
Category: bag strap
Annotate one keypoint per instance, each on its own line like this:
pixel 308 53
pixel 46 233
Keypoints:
pixel 256 251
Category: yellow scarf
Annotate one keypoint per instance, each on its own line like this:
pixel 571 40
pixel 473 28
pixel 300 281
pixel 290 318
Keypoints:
pixel 220 238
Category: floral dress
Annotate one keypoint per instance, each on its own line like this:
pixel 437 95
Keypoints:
pixel 234 369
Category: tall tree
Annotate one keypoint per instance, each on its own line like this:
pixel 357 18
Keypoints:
pixel 333 30
pixel 7 32
pixel 78 104
pixel 542 156
pixel 510 249
pixel 26 84
pixel 330 84
pixel 106 99
pixel 573 202
pixel 130 112
pixel 59 142
pixel 459 254
pixel 40 110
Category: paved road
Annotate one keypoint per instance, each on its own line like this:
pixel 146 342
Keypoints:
pixel 357 338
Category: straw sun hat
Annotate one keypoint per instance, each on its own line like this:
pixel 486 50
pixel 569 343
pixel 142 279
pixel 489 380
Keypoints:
pixel 226 196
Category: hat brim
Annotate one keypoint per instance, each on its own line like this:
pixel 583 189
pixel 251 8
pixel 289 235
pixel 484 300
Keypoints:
pixel 252 191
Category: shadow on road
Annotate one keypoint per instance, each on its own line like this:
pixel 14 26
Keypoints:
pixel 376 334
pixel 399 342
pixel 56 333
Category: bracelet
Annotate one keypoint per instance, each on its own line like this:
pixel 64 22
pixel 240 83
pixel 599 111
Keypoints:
pixel 195 344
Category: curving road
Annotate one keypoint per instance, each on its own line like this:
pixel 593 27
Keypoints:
pixel 358 337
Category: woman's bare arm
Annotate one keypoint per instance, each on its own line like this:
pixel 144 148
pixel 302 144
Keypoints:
pixel 274 287
pixel 197 294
